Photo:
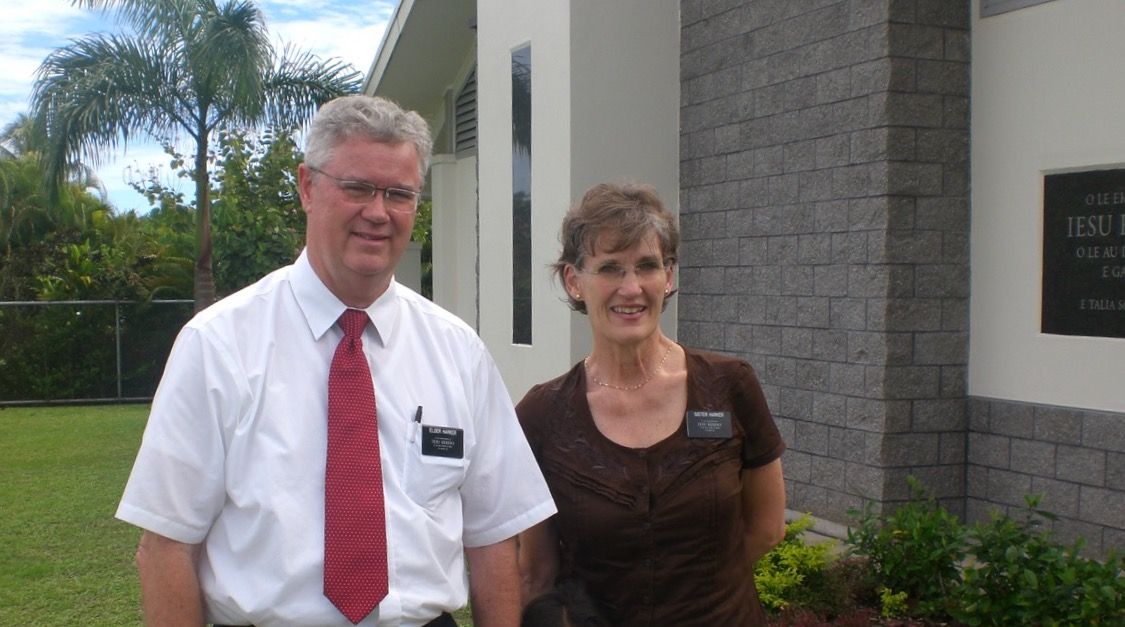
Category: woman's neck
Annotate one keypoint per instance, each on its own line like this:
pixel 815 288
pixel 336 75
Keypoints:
pixel 628 367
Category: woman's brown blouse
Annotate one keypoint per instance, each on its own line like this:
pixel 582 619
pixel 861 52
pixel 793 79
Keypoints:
pixel 657 534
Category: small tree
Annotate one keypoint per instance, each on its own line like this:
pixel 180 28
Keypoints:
pixel 258 215
pixel 259 222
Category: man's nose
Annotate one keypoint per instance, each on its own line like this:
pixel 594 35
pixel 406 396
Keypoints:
pixel 375 208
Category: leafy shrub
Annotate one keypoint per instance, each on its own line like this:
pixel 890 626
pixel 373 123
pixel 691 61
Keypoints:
pixel 1022 577
pixel 920 566
pixel 893 603
pixel 783 576
pixel 916 550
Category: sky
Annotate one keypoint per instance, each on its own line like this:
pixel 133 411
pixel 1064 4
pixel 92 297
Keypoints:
pixel 31 29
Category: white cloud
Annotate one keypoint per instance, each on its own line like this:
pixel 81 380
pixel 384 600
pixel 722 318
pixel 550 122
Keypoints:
pixel 348 31
pixel 28 33
pixel 43 16
pixel 354 44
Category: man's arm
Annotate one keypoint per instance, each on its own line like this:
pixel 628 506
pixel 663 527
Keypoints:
pixel 170 591
pixel 494 584
pixel 763 507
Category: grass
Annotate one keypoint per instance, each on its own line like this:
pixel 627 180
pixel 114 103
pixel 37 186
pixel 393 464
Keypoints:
pixel 464 617
pixel 65 559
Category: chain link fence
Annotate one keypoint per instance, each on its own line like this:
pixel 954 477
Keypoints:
pixel 85 351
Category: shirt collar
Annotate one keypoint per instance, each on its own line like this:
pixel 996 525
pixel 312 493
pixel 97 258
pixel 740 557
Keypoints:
pixel 322 309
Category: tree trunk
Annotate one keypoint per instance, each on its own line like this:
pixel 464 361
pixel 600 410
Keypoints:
pixel 204 284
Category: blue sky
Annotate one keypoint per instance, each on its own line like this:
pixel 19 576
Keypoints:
pixel 31 29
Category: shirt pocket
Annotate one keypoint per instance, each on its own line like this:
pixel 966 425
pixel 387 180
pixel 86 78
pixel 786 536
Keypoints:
pixel 427 479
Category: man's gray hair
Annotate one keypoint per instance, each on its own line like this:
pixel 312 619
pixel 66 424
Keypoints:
pixel 369 117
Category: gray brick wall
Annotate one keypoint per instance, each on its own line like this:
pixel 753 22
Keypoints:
pixel 825 219
pixel 1074 458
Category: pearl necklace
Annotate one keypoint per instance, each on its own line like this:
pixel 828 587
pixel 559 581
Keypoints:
pixel 628 388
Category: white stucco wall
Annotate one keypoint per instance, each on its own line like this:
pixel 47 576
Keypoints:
pixel 605 98
pixel 504 26
pixel 1048 95
pixel 454 188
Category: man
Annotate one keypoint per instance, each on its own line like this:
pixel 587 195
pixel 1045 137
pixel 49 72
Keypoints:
pixel 236 485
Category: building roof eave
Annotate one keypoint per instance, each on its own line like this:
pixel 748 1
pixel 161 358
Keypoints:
pixel 422 53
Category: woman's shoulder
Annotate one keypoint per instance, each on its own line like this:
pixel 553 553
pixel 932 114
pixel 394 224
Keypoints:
pixel 716 363
pixel 715 376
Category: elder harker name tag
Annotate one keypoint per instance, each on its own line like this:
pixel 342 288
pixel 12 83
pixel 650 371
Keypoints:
pixel 443 442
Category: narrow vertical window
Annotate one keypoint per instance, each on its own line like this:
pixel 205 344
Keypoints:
pixel 521 195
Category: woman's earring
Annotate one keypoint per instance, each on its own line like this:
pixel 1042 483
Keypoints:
pixel 577 296
pixel 667 291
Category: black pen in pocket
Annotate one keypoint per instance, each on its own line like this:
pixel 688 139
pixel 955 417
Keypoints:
pixel 417 423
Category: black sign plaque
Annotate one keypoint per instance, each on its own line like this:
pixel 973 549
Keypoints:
pixel 1084 253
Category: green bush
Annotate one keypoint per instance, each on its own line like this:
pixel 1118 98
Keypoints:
pixel 916 550
pixel 892 604
pixel 919 564
pixel 66 352
pixel 786 575
pixel 1022 577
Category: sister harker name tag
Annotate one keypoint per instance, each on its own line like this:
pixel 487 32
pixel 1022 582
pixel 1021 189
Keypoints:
pixel 708 424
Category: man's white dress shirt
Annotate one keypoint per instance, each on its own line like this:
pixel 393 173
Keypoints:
pixel 234 451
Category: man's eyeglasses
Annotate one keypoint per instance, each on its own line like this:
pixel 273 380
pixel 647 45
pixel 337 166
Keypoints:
pixel 645 271
pixel 395 198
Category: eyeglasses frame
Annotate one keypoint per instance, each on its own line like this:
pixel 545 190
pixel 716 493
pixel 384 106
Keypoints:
pixel 375 189
pixel 666 265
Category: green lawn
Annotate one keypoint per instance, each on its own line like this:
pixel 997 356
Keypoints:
pixel 64 559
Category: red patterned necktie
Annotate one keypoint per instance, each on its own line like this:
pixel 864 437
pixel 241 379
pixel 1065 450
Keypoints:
pixel 355 534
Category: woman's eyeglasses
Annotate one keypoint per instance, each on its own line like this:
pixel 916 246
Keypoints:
pixel 645 271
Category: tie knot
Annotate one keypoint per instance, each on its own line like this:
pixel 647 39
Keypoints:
pixel 353 321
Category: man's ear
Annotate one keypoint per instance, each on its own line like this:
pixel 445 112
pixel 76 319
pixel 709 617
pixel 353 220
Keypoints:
pixel 304 185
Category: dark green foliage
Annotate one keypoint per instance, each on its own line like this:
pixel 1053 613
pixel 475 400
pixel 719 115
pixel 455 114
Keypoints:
pixel 423 234
pixel 62 361
pixel 1021 576
pixel 920 566
pixel 67 352
pixel 86 253
pixel 148 331
pixel 917 550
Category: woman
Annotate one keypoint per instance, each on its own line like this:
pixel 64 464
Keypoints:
pixel 663 460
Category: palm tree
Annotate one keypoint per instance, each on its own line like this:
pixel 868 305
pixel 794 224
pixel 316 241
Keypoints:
pixel 24 138
pixel 19 137
pixel 28 218
pixel 25 213
pixel 193 66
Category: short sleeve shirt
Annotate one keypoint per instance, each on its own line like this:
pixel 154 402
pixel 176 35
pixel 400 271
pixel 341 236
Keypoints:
pixel 657 534
pixel 233 455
